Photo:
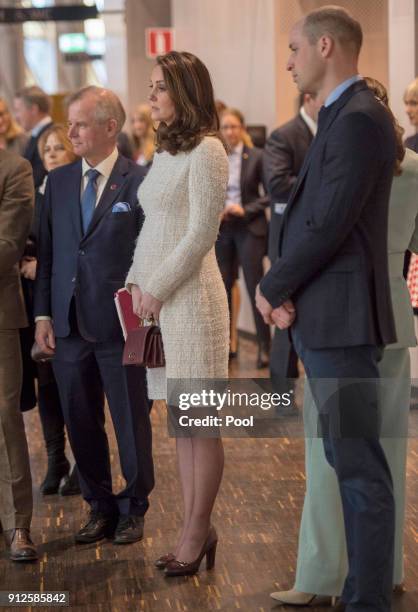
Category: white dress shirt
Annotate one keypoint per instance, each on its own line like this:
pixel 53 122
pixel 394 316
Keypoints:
pixel 312 125
pixel 233 193
pixel 40 125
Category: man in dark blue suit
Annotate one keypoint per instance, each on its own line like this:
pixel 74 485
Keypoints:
pixel 31 107
pixel 330 285
pixel 89 224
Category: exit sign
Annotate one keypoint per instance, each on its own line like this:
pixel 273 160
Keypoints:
pixel 158 41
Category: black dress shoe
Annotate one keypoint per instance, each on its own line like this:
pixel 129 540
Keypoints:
pixel 98 526
pixel 21 547
pixel 70 484
pixel 130 529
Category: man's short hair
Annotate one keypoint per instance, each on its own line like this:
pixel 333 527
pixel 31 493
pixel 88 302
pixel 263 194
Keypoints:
pixel 34 95
pixel 108 105
pixel 335 21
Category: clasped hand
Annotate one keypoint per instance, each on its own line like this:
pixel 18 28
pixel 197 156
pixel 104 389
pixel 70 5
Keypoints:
pixel 283 316
pixel 145 305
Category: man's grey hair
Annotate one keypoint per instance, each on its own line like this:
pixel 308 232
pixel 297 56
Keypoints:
pixel 108 105
pixel 335 21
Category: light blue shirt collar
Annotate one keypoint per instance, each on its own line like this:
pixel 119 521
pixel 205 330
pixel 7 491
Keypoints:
pixel 340 89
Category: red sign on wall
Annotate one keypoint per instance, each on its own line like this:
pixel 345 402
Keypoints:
pixel 158 41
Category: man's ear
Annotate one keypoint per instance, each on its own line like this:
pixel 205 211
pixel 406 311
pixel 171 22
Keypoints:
pixel 112 126
pixel 326 45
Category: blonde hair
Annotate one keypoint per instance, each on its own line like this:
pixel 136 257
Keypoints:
pixel 14 128
pixel 411 91
pixel 61 133
pixel 147 143
pixel 246 138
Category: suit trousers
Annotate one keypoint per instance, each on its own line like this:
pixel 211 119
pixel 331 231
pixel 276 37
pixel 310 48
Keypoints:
pixel 345 387
pixel 283 361
pixel 322 555
pixel 84 371
pixel 15 477
pixel 237 243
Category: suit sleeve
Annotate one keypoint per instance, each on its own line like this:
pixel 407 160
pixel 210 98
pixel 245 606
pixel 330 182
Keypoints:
pixel 16 210
pixel 258 206
pixel 278 167
pixel 350 168
pixel 42 301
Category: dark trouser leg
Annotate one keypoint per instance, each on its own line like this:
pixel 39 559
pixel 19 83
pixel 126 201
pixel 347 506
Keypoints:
pixel 129 406
pixel 15 477
pixel 226 255
pixel 52 419
pixel 283 361
pixel 344 385
pixel 251 250
pixel 81 393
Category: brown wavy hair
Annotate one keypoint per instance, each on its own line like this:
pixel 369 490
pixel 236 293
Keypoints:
pixel 61 133
pixel 380 92
pixel 190 88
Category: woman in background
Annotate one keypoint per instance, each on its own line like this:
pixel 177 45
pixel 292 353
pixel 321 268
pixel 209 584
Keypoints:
pixel 143 135
pixel 243 233
pixel 12 137
pixel 322 558
pixel 55 150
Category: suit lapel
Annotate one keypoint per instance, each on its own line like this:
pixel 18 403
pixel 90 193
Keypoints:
pixel 110 193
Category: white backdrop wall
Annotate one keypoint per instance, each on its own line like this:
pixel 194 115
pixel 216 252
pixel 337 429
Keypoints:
pixel 235 39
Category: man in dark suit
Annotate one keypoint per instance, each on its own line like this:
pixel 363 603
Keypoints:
pixel 89 224
pixel 283 157
pixel 16 208
pixel 31 108
pixel 330 284
pixel 243 232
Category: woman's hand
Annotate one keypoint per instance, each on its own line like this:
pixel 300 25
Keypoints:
pixel 136 298
pixel 149 307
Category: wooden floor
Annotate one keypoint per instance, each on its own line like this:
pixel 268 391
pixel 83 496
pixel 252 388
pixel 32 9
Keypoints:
pixel 257 516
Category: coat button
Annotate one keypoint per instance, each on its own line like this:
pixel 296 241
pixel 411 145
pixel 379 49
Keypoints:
pixel 73 279
pixel 81 252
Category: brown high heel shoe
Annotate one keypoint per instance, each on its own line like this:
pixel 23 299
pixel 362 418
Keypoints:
pixel 164 560
pixel 182 568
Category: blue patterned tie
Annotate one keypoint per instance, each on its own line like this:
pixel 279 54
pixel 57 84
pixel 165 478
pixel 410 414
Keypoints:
pixel 88 199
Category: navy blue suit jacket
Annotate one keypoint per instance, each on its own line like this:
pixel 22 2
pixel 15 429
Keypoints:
pixel 92 267
pixel 31 153
pixel 333 245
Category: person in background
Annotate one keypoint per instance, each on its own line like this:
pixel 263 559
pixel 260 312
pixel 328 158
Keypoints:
pixel 411 106
pixel 12 137
pixel 89 224
pixel 283 157
pixel 55 150
pixel 244 228
pixel 32 107
pixel 322 554
pixel 16 208
pixel 143 135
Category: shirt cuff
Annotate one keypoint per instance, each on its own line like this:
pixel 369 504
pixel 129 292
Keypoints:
pixel 42 318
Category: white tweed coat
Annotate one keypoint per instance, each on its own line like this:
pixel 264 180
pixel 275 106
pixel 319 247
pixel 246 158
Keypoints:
pixel 174 260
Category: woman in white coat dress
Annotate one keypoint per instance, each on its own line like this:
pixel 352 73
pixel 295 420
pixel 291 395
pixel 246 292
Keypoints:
pixel 175 278
pixel 322 559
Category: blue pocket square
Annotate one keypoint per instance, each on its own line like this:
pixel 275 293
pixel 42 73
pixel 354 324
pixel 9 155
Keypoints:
pixel 121 207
